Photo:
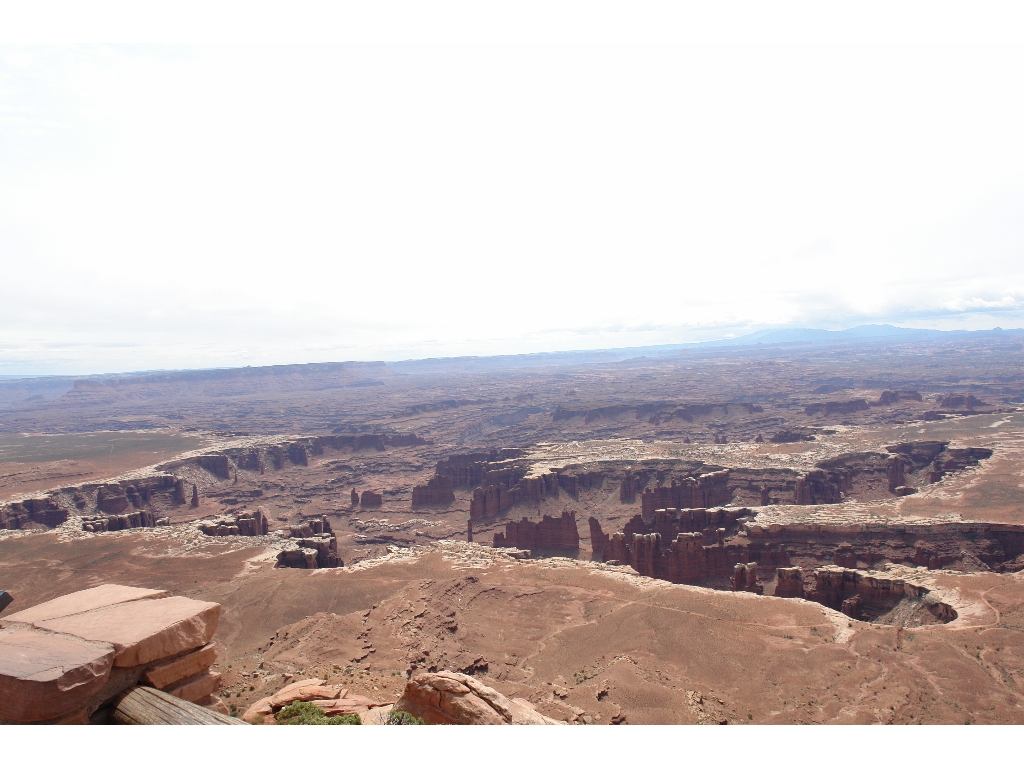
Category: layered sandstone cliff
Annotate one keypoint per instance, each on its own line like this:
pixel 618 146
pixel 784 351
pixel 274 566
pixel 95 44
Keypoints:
pixel 878 597
pixel 245 523
pixel 316 546
pixel 438 490
pixel 686 546
pixel 706 490
pixel 554 533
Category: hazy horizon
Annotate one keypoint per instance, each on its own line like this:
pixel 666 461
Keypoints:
pixel 724 341
pixel 384 184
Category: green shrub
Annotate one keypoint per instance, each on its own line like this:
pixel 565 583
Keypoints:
pixel 306 713
pixel 398 717
pixel 352 719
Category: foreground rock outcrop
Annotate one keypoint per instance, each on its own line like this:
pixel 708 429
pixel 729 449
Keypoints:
pixel 62 660
pixel 451 698
pixel 332 699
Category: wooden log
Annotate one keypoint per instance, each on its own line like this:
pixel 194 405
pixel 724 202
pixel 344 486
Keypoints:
pixel 148 706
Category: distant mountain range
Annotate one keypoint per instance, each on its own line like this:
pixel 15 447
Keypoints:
pixel 817 335
pixel 862 334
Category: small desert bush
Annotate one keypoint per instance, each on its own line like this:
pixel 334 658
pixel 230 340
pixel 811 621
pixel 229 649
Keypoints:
pixel 305 713
pixel 398 717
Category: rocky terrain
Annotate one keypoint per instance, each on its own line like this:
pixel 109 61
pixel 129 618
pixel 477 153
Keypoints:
pixel 771 533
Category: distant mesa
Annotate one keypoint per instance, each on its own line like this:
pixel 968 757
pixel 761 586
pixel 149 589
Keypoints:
pixel 891 397
pixel 244 523
pixel 832 408
pixel 316 546
pixel 655 413
pixel 791 436
pixel 962 402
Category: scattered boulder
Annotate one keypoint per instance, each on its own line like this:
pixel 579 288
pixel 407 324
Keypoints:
pixel 451 698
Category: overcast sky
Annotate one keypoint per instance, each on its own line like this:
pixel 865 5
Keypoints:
pixel 414 180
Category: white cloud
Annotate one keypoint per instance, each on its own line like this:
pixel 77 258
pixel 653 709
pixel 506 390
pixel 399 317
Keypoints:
pixel 390 181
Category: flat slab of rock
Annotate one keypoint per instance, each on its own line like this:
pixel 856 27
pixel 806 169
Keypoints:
pixel 349 705
pixel 87 600
pixel 196 688
pixel 144 630
pixel 165 673
pixel 305 690
pixel 45 676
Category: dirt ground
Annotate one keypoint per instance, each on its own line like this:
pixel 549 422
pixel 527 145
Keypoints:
pixel 587 642
pixel 30 463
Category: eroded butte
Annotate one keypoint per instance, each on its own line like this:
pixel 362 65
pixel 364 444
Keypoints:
pixel 788 533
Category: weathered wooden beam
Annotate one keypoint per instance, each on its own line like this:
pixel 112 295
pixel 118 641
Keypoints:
pixel 148 706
